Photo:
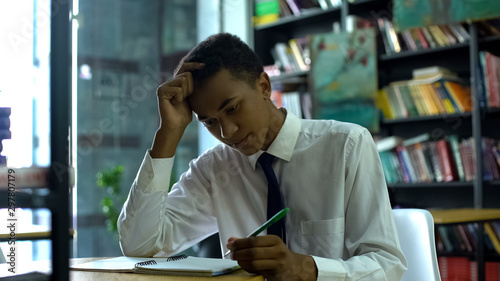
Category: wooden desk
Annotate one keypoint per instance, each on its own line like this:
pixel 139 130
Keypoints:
pixel 44 266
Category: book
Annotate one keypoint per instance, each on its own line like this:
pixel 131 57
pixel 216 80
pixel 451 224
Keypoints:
pixel 431 71
pixel 434 97
pixel 492 79
pixel 465 238
pixel 404 156
pixel 428 36
pixel 495 240
pixel 453 139
pixel 5 134
pixel 4 123
pixel 403 90
pixel 465 162
pixel 396 103
pixel 266 11
pixel 461 95
pixel 436 166
pixel 385 39
pixel 445 161
pixel 451 39
pixel 423 40
pixel 438 35
pixel 297 54
pixel 179 265
pixel 283 57
pixel 388 143
pixel 291 101
pixel 5 111
pixel 384 104
pixel 391 34
pixel 409 41
pixel 285 10
pixel 419 101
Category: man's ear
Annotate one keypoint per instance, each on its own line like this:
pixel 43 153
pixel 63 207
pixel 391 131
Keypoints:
pixel 264 85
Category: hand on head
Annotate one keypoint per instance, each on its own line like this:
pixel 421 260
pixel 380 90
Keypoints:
pixel 270 257
pixel 175 112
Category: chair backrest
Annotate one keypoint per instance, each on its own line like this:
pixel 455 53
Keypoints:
pixel 416 236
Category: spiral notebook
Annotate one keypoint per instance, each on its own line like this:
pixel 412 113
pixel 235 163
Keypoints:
pixel 179 265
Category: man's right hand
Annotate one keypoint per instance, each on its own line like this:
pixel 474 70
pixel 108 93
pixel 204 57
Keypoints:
pixel 175 112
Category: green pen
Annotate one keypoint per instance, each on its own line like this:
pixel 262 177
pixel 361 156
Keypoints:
pixel 267 224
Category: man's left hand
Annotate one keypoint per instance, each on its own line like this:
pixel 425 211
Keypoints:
pixel 270 257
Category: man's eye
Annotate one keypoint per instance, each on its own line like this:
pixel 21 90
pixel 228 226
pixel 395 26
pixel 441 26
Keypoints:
pixel 209 122
pixel 232 108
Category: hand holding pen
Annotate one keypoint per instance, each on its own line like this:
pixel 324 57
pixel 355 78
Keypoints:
pixel 269 256
pixel 266 225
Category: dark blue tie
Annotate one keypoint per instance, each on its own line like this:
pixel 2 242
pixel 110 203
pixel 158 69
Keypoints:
pixel 274 199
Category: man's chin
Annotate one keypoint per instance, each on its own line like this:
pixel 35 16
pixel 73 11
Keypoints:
pixel 248 151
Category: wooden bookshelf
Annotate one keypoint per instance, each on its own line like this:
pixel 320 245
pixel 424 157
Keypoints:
pixel 464 215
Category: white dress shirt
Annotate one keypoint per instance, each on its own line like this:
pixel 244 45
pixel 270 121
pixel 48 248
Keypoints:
pixel 330 177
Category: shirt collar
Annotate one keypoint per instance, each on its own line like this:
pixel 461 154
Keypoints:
pixel 284 143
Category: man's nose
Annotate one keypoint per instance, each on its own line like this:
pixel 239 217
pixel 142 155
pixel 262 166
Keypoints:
pixel 227 128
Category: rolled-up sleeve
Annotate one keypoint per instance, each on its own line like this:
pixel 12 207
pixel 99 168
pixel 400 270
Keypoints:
pixel 153 220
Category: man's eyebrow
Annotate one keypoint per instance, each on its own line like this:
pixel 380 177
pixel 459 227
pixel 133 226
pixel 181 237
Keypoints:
pixel 223 104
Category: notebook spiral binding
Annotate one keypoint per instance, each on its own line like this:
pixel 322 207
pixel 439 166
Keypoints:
pixel 144 263
pixel 153 262
pixel 176 258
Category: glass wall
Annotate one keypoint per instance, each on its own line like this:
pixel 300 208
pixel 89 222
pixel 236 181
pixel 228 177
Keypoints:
pixel 24 129
pixel 121 51
pixel 125 50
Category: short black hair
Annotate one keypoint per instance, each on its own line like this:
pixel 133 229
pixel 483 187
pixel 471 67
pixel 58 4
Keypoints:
pixel 225 51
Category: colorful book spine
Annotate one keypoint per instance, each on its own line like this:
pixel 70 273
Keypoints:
pixel 453 139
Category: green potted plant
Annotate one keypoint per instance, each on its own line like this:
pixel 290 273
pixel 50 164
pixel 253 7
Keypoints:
pixel 112 203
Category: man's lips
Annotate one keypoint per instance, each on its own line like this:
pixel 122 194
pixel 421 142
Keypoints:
pixel 242 143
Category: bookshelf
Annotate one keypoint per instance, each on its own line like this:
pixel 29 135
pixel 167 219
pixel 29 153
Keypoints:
pixel 462 58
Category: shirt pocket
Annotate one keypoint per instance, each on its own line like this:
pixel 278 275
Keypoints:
pixel 323 238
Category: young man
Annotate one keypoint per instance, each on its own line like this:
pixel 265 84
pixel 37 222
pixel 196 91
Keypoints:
pixel 340 225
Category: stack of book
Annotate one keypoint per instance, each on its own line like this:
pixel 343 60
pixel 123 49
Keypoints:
pixel 430 37
pixel 268 11
pixel 457 239
pixel 490 66
pixel 432 91
pixel 462 238
pixel 419 159
pixel 4 131
pixel 290 57
pixel 300 104
pixel 461 268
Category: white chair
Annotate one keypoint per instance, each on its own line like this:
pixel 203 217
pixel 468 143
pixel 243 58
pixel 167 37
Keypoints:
pixel 416 236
